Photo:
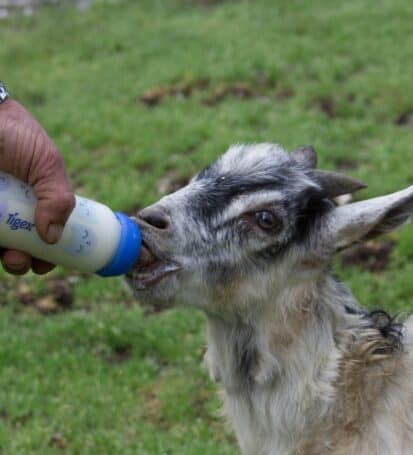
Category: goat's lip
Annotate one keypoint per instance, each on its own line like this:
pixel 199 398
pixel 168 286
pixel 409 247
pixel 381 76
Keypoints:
pixel 150 269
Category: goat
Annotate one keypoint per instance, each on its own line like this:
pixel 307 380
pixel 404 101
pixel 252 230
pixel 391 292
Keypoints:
pixel 302 367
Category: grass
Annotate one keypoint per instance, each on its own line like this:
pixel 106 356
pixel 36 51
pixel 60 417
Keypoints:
pixel 103 378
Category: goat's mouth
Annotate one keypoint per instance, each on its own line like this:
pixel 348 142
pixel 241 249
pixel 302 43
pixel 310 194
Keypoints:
pixel 150 269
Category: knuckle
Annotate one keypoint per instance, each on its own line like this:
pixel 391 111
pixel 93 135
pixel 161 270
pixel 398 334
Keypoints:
pixel 54 160
pixel 59 205
pixel 57 157
pixel 47 156
pixel 68 201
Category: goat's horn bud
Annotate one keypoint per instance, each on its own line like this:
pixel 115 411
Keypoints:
pixel 306 156
pixel 335 184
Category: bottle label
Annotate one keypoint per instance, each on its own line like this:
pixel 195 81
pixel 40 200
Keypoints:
pixel 15 222
pixel 82 241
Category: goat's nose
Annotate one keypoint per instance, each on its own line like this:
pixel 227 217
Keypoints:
pixel 155 217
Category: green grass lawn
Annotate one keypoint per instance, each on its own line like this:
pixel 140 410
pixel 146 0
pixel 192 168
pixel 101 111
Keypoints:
pixel 138 96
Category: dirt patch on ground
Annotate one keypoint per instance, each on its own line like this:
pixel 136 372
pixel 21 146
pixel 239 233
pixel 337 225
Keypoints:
pixel 371 256
pixel 4 415
pixel 283 93
pixel 17 421
pixel 57 298
pixel 326 105
pixel 58 441
pixel 260 86
pixel 239 90
pixel 209 3
pixel 180 90
pixel 153 309
pixel 153 405
pixel 345 164
pixel 405 119
pixel 171 181
pixel 120 354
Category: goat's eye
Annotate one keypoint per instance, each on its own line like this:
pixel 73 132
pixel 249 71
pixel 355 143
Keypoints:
pixel 266 220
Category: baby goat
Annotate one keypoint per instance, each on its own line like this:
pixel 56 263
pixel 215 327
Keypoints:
pixel 303 368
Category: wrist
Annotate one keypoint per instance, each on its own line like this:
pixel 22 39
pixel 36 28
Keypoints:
pixel 4 95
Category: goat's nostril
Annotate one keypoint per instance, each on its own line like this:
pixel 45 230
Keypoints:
pixel 155 217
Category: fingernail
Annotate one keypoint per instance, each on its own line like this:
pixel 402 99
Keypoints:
pixel 54 232
pixel 16 267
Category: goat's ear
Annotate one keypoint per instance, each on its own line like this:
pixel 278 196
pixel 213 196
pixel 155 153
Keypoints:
pixel 348 224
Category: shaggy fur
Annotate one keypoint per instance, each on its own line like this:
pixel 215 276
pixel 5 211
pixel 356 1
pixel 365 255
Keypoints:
pixel 302 368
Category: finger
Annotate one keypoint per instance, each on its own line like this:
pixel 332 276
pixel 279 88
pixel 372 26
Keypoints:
pixel 55 196
pixel 16 262
pixel 41 267
pixel 51 214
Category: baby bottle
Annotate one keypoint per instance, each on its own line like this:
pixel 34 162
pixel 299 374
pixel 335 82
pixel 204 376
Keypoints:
pixel 94 239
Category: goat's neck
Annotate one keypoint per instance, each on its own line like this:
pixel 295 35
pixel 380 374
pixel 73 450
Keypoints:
pixel 285 355
pixel 293 326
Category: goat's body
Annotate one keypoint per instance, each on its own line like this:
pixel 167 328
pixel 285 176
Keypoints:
pixel 327 383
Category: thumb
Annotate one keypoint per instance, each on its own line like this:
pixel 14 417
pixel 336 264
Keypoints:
pixel 55 198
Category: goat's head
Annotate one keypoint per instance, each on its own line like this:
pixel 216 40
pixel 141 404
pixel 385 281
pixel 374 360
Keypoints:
pixel 249 225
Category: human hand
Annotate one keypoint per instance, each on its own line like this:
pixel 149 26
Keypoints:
pixel 28 153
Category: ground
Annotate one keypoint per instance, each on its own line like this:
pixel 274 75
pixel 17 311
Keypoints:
pixel 138 96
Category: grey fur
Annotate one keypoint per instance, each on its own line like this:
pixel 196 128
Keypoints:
pixel 287 342
pixel 305 155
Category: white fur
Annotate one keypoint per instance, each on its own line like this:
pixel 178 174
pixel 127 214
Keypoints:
pixel 303 370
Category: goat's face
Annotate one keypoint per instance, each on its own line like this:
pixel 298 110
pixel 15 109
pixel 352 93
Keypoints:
pixel 232 229
pixel 241 229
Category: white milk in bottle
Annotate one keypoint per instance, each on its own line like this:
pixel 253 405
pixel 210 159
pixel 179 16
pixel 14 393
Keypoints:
pixel 94 239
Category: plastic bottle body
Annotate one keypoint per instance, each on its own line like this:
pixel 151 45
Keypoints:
pixel 90 240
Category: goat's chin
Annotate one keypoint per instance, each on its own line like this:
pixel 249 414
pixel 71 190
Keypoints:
pixel 180 289
pixel 161 294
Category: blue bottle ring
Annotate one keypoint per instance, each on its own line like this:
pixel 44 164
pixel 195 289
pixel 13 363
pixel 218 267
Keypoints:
pixel 128 249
